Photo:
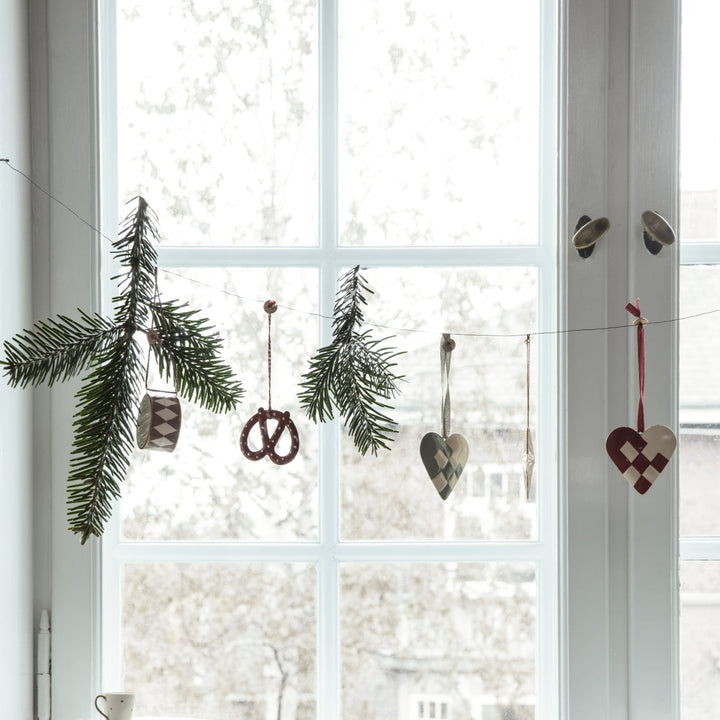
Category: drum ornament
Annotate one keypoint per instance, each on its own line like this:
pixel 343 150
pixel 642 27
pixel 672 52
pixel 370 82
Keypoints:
pixel 159 415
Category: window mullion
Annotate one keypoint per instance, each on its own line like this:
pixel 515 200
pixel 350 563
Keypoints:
pixel 328 622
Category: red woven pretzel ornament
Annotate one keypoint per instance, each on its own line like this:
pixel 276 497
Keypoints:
pixel 643 454
pixel 261 417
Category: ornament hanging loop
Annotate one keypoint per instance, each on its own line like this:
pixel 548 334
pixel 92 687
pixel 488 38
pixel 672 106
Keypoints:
pixel 447 345
pixel 269 306
pixel 640 323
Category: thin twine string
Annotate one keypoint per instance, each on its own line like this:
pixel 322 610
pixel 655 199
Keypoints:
pixel 527 389
pixel 529 457
pixel 269 363
pixel 153 338
pixel 269 306
pixel 56 200
pixel 446 347
pixel 425 331
pixel 381 326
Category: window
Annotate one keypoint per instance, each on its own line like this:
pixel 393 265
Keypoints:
pixel 611 645
pixel 699 398
pixel 368 579
pixel 430 707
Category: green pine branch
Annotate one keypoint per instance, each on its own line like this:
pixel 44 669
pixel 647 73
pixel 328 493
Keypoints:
pixel 134 250
pixel 104 433
pixel 104 426
pixel 354 375
pixel 56 350
pixel 188 349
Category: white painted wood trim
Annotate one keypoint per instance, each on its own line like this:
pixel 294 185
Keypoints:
pixel 653 519
pixel 73 258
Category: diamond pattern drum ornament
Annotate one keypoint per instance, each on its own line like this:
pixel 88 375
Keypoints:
pixel 444 460
pixel 159 420
pixel 641 456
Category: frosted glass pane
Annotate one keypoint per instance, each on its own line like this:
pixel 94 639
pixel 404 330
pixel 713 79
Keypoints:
pixel 220 642
pixel 218 119
pixel 417 637
pixel 439 122
pixel 206 489
pixel 699 639
pixel 699 130
pixel 699 401
pixel 391 496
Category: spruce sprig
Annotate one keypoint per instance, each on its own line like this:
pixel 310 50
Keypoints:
pixel 354 375
pixel 55 350
pixel 188 349
pixel 103 440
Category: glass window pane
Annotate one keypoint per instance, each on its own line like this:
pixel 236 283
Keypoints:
pixel 699 401
pixel 438 122
pixel 699 131
pixel 220 641
pixel 465 631
pixel 206 489
pixel 391 497
pixel 217 124
pixel 699 639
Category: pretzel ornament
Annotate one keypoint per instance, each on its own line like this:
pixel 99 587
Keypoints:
pixel 269 442
pixel 261 417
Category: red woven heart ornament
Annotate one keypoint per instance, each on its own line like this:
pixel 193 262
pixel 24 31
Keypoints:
pixel 641 455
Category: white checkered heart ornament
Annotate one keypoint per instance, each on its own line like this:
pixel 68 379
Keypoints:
pixel 641 456
pixel 444 460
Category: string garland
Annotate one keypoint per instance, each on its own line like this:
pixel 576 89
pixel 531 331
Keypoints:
pixel 382 326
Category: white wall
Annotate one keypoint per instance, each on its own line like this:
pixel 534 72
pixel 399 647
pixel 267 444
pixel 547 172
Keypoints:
pixel 16 538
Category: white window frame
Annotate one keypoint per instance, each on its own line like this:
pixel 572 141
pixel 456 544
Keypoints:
pixel 617 552
pixel 330 552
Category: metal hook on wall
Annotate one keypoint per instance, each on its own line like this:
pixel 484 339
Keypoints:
pixel 587 233
pixel 657 232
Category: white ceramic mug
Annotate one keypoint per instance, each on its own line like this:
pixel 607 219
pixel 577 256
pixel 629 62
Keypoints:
pixel 116 705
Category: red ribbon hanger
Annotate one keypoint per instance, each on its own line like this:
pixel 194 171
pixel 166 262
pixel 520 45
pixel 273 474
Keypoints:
pixel 641 322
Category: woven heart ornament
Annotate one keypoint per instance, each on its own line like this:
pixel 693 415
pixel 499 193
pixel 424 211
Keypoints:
pixel 444 457
pixel 641 455
pixel 444 460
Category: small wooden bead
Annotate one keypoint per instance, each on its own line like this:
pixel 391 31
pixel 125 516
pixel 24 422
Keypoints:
pixel 270 306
